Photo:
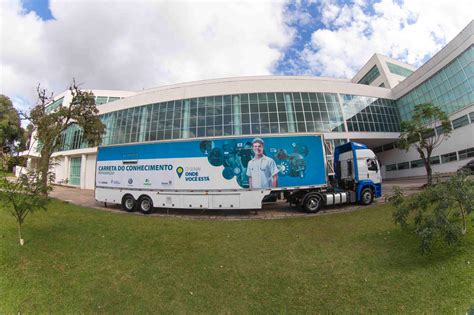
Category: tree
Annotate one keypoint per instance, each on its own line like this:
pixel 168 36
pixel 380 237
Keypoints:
pixel 10 125
pixel 50 124
pixel 441 211
pixel 419 133
pixel 22 196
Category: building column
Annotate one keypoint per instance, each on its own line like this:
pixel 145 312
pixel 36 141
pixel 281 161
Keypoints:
pixel 83 170
pixel 236 114
pixel 142 127
pixel 66 169
pixel 341 106
pixel 290 113
pixel 186 117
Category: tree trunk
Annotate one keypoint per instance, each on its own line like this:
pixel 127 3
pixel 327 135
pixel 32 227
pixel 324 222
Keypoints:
pixel 429 172
pixel 464 223
pixel 19 234
pixel 427 161
pixel 44 170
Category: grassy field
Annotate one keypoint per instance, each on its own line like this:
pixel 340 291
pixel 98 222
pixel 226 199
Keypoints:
pixel 84 260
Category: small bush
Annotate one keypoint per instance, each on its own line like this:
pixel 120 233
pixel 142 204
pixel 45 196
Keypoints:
pixel 440 212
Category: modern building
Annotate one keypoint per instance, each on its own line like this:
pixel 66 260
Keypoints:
pixel 368 109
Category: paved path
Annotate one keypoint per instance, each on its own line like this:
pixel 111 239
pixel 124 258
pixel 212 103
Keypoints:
pixel 280 209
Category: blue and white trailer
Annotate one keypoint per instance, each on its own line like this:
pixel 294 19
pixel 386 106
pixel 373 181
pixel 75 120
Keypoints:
pixel 235 173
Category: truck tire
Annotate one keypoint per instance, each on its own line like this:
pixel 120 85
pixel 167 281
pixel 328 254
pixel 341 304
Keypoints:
pixel 145 204
pixel 312 203
pixel 128 203
pixel 366 197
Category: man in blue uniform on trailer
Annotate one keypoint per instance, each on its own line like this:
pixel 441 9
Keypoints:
pixel 262 170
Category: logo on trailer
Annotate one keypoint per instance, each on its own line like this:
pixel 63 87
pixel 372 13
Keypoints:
pixel 179 171
pixel 130 181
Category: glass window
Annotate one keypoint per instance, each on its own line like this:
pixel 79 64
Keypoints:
pixel 99 100
pixel 331 98
pixel 403 166
pixel 271 97
pixel 465 154
pixel 54 105
pixel 396 69
pixel 75 171
pixel 439 130
pixel 245 118
pixel 416 163
pixel 447 88
pixel 391 167
pixel 263 107
pixel 262 97
pixel 449 157
pixel 245 129
pixel 280 97
pixel 113 98
pixel 253 98
pixel 435 160
pixel 227 99
pixel 430 133
pixel 371 75
pixel 372 165
pixel 460 122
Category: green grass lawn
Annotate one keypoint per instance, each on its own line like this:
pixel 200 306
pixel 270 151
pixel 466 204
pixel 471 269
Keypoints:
pixel 84 260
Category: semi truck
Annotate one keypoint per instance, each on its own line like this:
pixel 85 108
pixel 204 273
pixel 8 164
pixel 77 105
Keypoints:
pixel 235 173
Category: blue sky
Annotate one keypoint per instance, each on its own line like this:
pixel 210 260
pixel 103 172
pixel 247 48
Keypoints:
pixel 132 45
pixel 40 7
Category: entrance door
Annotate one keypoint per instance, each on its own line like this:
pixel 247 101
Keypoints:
pixel 75 171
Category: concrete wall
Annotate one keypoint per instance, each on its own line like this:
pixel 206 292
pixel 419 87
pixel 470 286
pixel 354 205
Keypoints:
pixel 460 139
pixel 61 170
pixel 89 180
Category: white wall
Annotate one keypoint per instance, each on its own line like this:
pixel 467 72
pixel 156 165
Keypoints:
pixel 460 139
pixel 60 170
pixel 89 179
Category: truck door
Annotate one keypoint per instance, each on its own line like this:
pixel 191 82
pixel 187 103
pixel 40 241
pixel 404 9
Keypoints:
pixel 373 170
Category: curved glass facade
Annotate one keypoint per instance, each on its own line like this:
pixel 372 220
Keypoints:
pixel 247 114
pixel 451 88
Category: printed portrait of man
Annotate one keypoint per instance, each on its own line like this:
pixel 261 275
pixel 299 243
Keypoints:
pixel 262 170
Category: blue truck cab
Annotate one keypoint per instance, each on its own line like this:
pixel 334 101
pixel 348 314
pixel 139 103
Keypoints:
pixel 357 169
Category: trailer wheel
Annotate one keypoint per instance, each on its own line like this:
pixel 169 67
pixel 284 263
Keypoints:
pixel 366 197
pixel 312 203
pixel 145 204
pixel 128 203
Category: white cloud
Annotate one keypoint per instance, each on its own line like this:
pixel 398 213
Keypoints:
pixel 134 45
pixel 410 32
pixel 130 45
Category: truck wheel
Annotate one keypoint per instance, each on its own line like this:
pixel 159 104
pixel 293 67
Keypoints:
pixel 128 203
pixel 312 203
pixel 366 197
pixel 145 204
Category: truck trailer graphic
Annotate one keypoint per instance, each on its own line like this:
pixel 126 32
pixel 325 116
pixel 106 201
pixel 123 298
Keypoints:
pixel 214 173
